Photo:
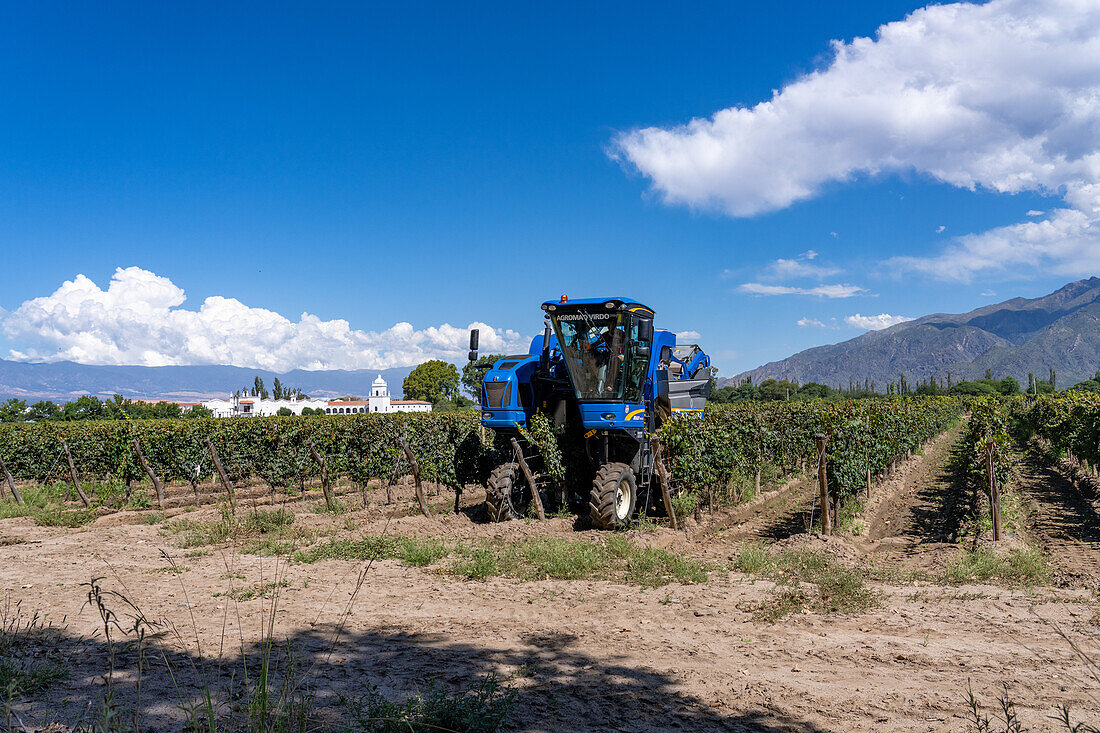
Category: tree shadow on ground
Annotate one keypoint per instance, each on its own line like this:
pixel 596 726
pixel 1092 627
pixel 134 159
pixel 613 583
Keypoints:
pixel 558 682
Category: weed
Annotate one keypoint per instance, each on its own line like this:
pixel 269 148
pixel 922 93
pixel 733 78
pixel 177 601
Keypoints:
pixel 336 507
pixel 836 589
pixel 478 565
pixel 262 522
pixel 536 558
pixel 684 504
pixel 265 532
pixel 983 723
pixel 551 557
pixel 31 657
pixel 783 603
pixel 753 558
pixel 169 570
pixel 416 552
pixel 1018 567
pixel 56 517
pixel 617 557
pixel 653 567
pixel 257 590
pixel 366 548
pixel 481 708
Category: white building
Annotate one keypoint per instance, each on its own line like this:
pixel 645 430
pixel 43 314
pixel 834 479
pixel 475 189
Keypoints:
pixel 377 402
pixel 257 407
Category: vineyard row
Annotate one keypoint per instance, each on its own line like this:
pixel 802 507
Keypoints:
pixel 863 438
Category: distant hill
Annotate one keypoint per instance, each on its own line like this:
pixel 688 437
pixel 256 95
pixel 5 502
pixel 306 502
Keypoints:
pixel 64 380
pixel 1059 331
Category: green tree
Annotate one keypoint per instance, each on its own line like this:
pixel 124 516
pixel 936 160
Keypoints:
pixel 1089 385
pixel 198 411
pixel 1008 386
pixel 165 411
pixel 976 388
pixel 777 389
pixel 434 381
pixel 13 411
pixel 277 390
pixel 811 390
pixel 473 371
pixel 284 411
pixel 86 407
pixel 43 410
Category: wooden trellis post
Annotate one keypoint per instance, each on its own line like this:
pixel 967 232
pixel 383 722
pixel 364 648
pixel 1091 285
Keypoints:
pixel 11 482
pixel 823 486
pixel 324 474
pixel 420 498
pixel 994 490
pixel 530 478
pixel 221 474
pixel 156 481
pixel 663 479
pixel 72 475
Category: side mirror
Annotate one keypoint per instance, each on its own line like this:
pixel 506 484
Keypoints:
pixel 645 331
pixel 474 333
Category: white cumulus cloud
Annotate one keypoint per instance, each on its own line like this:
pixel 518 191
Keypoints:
pixel 687 336
pixel 138 319
pixel 811 323
pixel 822 291
pixel 875 323
pixel 1002 96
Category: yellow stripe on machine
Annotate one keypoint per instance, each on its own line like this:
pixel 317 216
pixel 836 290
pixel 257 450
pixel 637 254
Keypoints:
pixel 632 415
pixel 687 409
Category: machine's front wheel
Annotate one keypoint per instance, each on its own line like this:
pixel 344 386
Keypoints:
pixel 614 496
pixel 506 495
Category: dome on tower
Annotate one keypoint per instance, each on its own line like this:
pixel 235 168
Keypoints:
pixel 378 382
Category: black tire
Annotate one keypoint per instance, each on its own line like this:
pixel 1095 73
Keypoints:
pixel 506 494
pixel 614 496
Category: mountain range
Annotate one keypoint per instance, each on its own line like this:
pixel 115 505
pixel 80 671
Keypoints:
pixel 1059 331
pixel 63 381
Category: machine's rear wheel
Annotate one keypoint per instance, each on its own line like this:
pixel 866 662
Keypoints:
pixel 614 496
pixel 506 494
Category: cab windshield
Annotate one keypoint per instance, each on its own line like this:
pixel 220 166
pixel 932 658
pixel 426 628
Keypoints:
pixel 600 352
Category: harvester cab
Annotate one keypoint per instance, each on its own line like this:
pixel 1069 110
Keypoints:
pixel 606 380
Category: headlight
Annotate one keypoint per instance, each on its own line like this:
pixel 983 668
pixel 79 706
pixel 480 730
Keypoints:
pixel 608 416
pixel 486 416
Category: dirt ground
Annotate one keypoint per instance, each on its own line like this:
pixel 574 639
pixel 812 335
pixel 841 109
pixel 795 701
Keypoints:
pixel 598 655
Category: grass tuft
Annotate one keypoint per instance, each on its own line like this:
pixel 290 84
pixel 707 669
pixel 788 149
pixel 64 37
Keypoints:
pixel 256 590
pixel 263 532
pixel 1019 567
pixel 807 580
pixel 416 552
pixel 480 708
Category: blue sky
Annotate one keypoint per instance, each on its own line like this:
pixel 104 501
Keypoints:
pixel 437 166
